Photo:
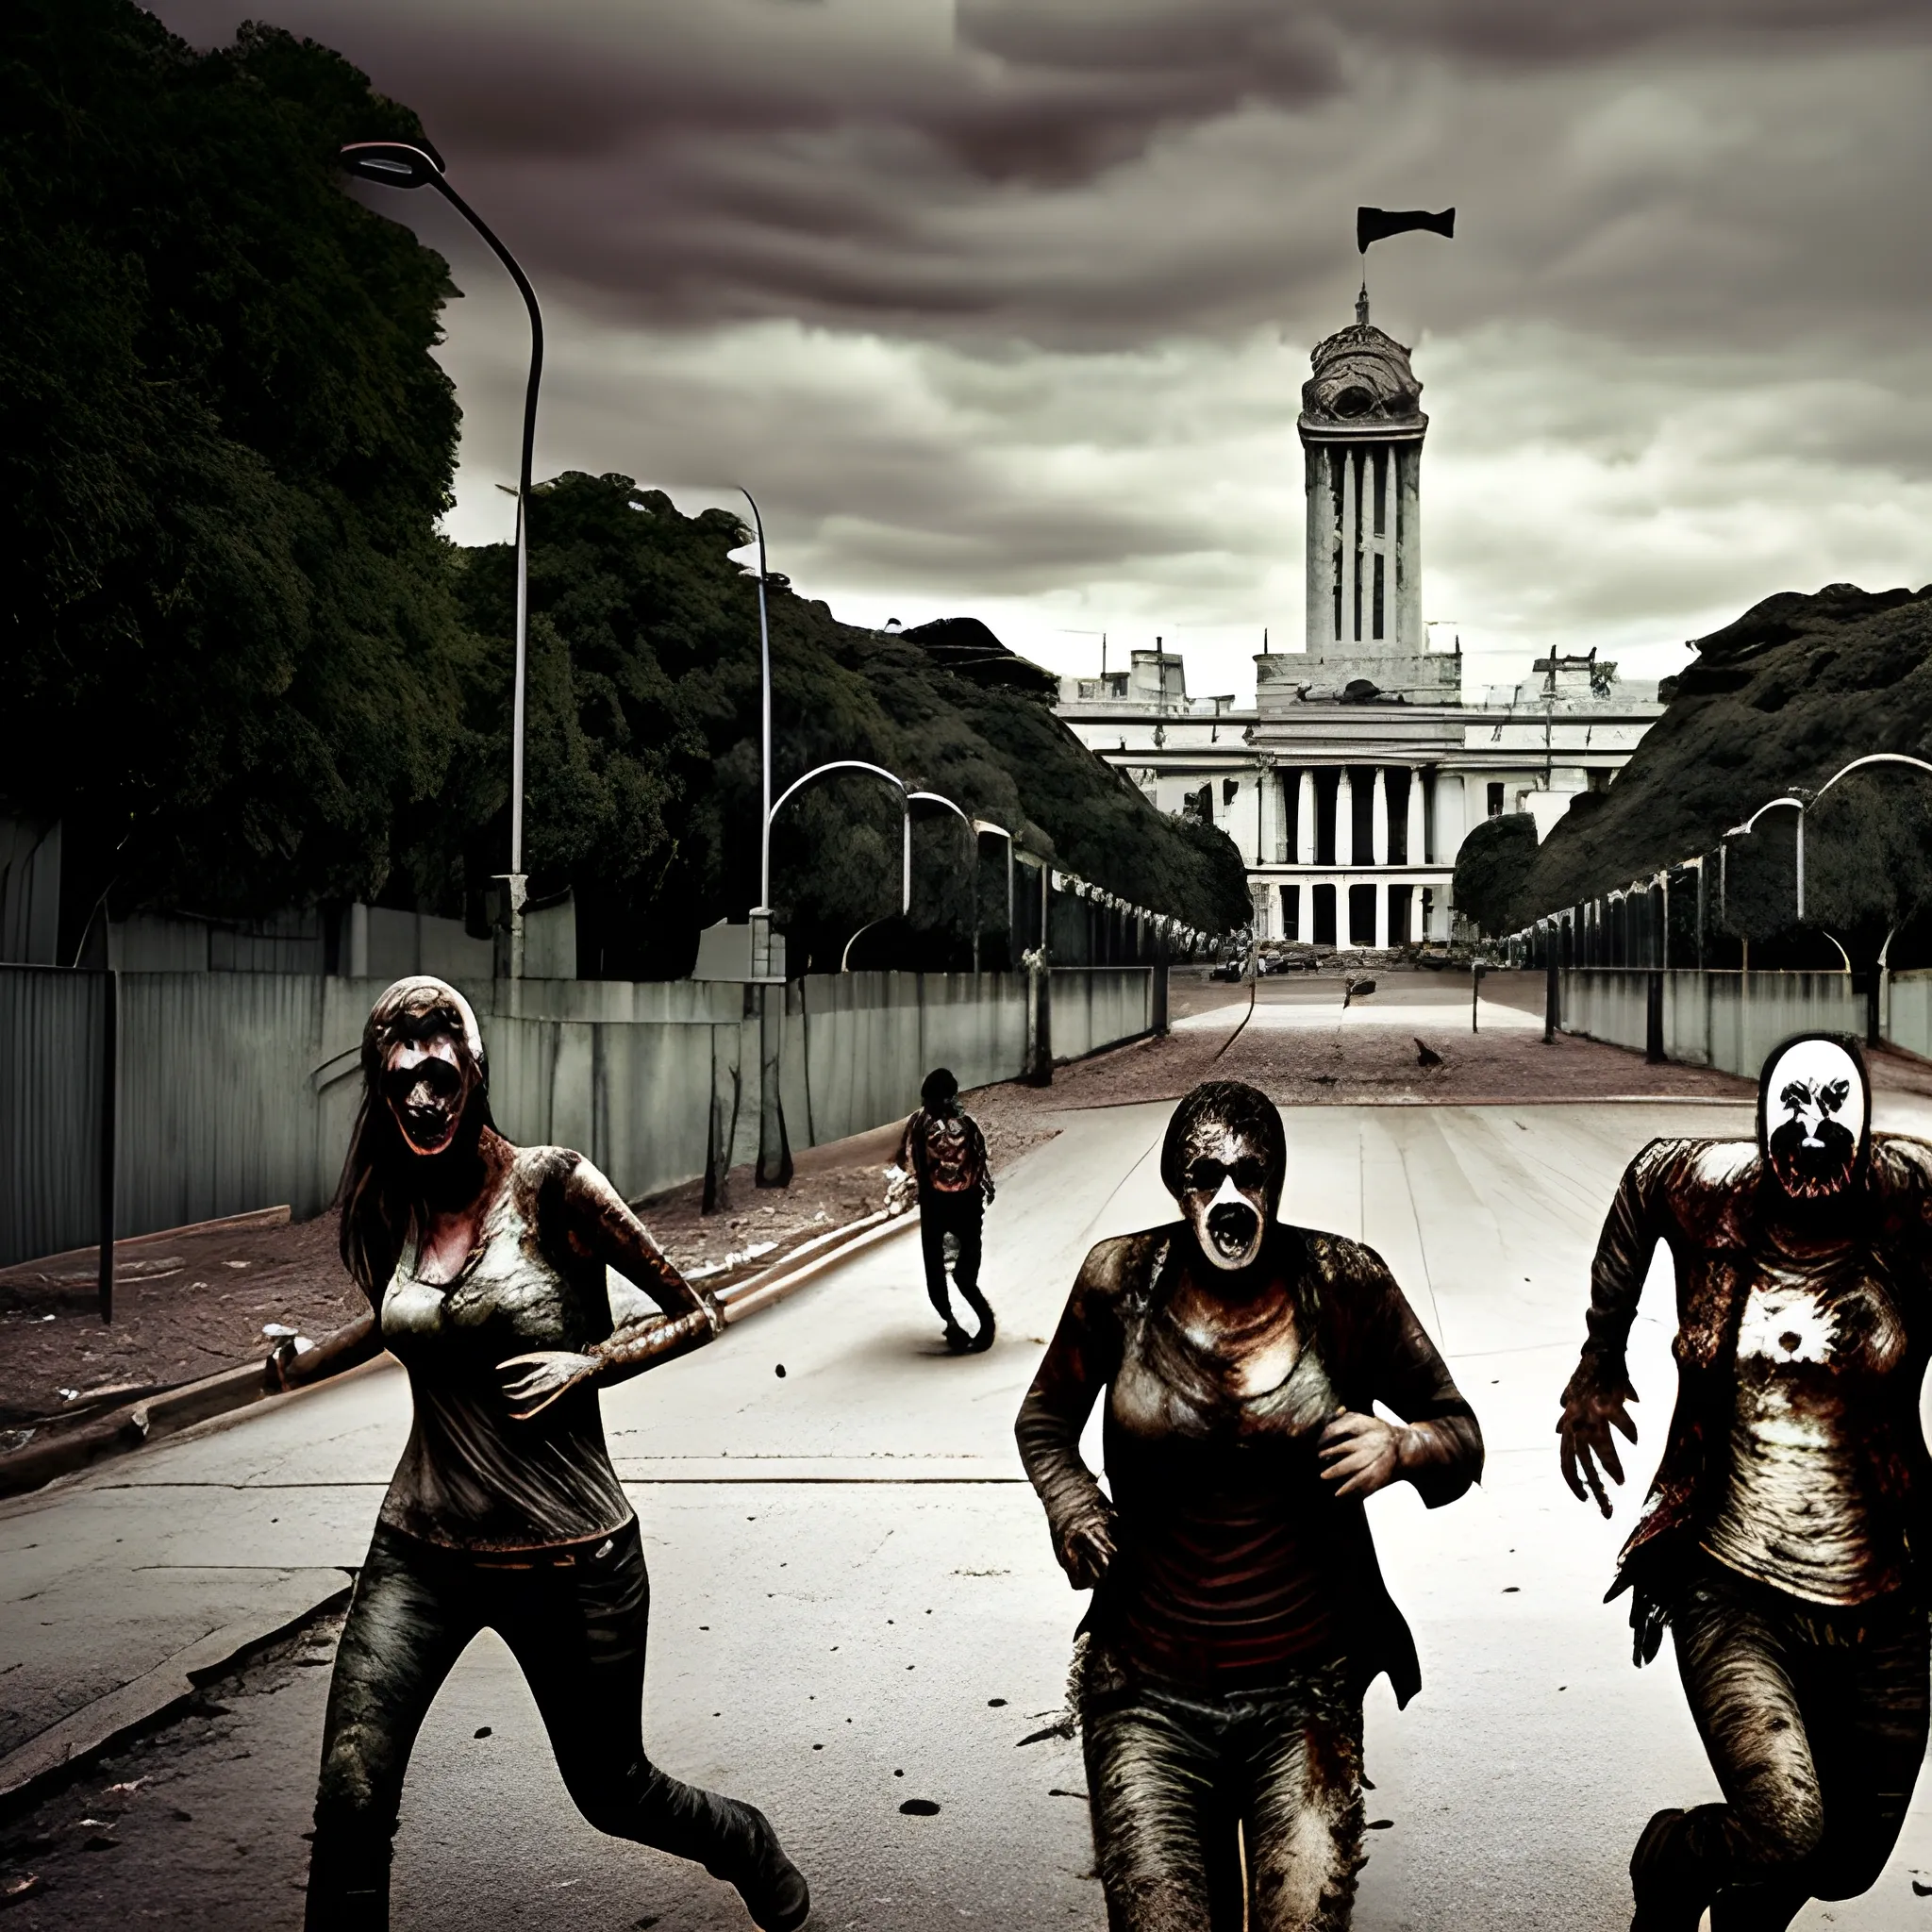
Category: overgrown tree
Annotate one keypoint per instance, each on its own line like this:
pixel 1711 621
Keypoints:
pixel 643 770
pixel 231 656
pixel 1492 871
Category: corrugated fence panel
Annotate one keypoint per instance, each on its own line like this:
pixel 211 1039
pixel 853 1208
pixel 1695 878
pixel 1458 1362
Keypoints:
pixel 975 1024
pixel 216 1111
pixel 651 1087
pixel 1729 1021
pixel 1098 1006
pixel 1602 1004
pixel 238 1090
pixel 51 1034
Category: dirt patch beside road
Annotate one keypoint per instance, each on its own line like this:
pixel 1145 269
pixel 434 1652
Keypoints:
pixel 193 1303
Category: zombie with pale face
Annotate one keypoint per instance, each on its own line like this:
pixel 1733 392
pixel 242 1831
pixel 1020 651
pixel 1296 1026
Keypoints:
pixel 1238 1613
pixel 511 1282
pixel 1779 1543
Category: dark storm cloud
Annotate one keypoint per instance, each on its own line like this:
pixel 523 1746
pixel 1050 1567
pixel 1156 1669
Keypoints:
pixel 1007 307
pixel 1019 171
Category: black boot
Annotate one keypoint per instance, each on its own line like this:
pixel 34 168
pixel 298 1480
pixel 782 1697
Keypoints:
pixel 1667 1883
pixel 773 1887
pixel 982 1310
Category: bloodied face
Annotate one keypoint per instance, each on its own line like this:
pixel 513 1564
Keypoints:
pixel 422 1059
pixel 1223 1161
pixel 1812 1104
pixel 425 1083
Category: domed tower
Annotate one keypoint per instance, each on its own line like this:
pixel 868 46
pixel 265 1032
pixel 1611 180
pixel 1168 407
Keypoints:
pixel 1363 429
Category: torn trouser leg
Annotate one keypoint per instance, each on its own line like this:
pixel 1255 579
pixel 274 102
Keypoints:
pixel 1171 1773
pixel 576 1622
pixel 1815 1722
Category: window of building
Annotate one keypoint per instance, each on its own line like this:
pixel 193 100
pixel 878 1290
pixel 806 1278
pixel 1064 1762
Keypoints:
pixel 1230 789
pixel 1497 799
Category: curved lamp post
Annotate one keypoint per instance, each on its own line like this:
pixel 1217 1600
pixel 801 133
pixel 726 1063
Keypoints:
pixel 985 828
pixel 761 912
pixel 892 779
pixel 1802 805
pixel 397 164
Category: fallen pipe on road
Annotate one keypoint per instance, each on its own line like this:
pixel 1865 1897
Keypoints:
pixel 284 1372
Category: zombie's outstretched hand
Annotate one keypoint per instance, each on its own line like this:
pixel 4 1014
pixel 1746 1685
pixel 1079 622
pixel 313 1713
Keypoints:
pixel 639 1344
pixel 1590 1413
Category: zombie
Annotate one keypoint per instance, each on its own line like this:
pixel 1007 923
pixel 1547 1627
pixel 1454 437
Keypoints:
pixel 486 1266
pixel 1238 1613
pixel 1777 1544
pixel 945 1153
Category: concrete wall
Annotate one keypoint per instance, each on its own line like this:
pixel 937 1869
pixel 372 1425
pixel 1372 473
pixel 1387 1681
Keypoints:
pixel 1907 1012
pixel 238 1090
pixel 1096 1005
pixel 1729 1021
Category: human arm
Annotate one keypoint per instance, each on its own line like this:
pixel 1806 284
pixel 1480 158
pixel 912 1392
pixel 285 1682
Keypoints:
pixel 655 1312
pixel 980 1155
pixel 1081 1359
pixel 1435 1443
pixel 1595 1397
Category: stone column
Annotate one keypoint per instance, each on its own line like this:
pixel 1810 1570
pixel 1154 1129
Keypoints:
pixel 1378 819
pixel 1416 855
pixel 1344 818
pixel 1277 815
pixel 1382 890
pixel 1305 819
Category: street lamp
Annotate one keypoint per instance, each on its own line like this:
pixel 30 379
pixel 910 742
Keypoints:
pixel 761 912
pixel 397 164
pixel 904 833
pixel 985 828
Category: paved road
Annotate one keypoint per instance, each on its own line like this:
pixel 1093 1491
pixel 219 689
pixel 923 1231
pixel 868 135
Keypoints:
pixel 855 1604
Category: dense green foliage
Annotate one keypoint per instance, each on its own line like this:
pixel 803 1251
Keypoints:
pixel 1492 868
pixel 1784 698
pixel 645 753
pixel 224 446
pixel 247 675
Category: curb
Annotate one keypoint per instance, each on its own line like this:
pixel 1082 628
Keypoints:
pixel 166 1414
pixel 157 1694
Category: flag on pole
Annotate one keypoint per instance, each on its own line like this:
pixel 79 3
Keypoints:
pixel 1378 223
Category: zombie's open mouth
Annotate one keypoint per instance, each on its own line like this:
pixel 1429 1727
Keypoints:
pixel 1232 1228
pixel 428 1129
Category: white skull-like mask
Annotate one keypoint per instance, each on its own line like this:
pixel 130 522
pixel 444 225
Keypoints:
pixel 1814 1109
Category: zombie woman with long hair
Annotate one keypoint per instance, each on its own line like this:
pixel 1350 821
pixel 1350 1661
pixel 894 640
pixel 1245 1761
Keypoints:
pixel 1238 1613
pixel 486 1266
pixel 1783 1541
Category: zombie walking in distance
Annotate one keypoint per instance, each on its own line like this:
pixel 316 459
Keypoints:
pixel 945 1153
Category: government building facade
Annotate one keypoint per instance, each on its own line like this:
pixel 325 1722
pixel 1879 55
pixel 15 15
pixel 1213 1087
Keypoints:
pixel 1365 763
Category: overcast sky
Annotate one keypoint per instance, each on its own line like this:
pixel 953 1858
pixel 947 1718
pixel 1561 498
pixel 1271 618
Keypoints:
pixel 1004 309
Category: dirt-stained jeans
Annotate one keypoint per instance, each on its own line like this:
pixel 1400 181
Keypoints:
pixel 1815 1720
pixel 578 1629
pixel 1173 1776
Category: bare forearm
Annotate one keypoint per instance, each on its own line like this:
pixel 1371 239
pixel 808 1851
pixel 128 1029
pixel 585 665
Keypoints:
pixel 1441 1457
pixel 1049 1445
pixel 641 1345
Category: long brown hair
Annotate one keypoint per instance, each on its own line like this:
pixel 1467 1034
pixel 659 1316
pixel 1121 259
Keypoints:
pixel 381 1191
